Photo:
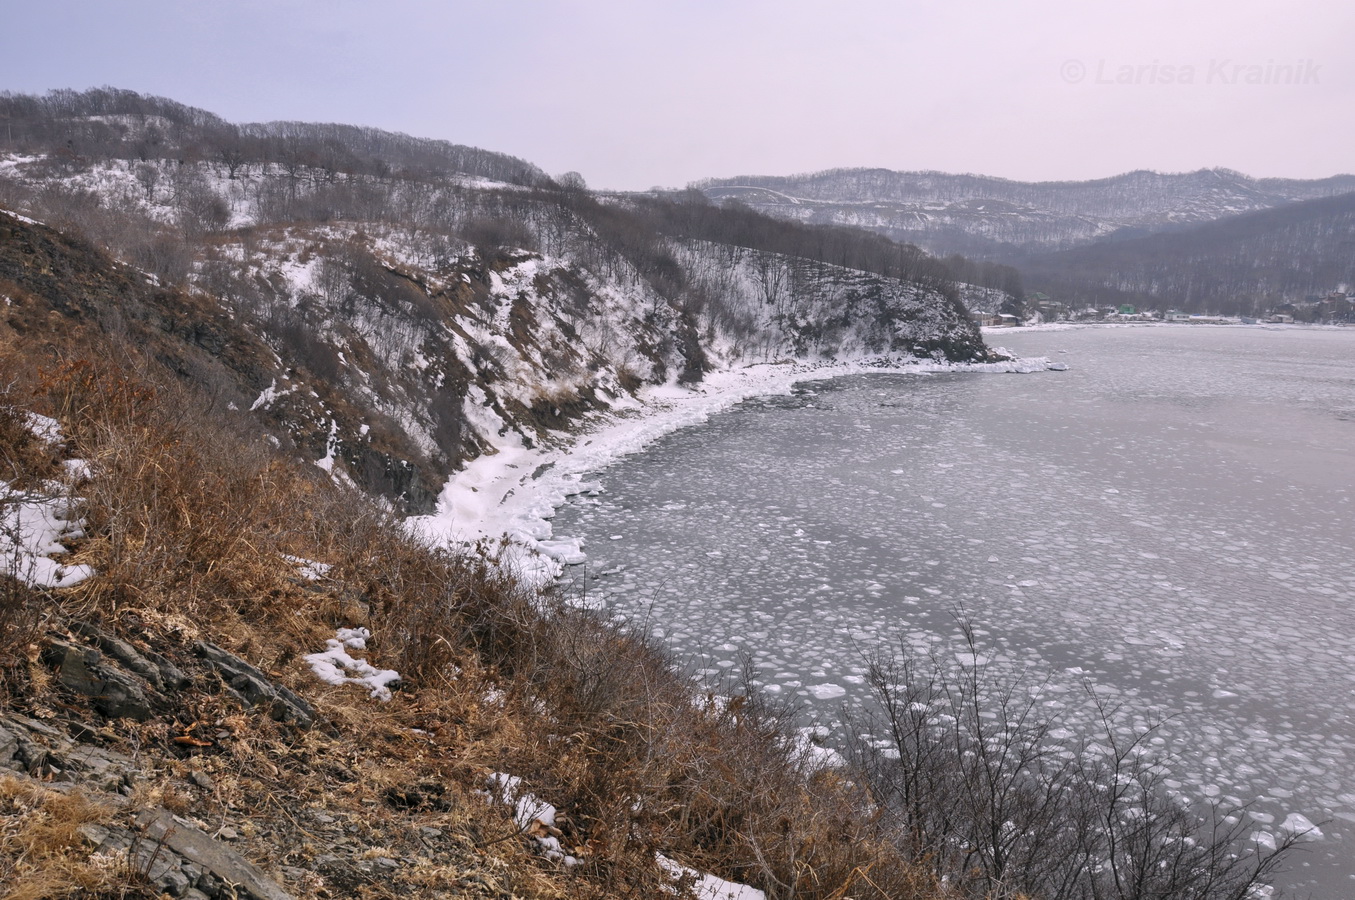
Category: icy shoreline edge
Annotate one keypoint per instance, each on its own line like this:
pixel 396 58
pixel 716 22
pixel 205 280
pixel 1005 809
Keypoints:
pixel 515 491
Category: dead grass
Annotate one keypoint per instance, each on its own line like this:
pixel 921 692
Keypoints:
pixel 25 462
pixel 43 856
pixel 189 511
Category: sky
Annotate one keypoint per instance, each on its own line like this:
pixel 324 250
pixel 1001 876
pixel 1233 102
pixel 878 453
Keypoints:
pixel 639 94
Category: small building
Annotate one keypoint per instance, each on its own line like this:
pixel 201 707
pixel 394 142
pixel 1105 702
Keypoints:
pixel 995 320
pixel 1049 310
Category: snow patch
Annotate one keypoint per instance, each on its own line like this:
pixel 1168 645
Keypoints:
pixel 707 887
pixel 336 666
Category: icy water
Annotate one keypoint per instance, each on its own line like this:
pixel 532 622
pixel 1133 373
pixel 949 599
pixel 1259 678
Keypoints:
pixel 1168 524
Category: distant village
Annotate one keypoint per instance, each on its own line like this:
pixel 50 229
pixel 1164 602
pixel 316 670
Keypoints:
pixel 1335 308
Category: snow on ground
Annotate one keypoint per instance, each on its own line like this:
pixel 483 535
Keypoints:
pixel 335 666
pixel 516 490
pixel 268 395
pixel 708 887
pixel 308 569
pixel 34 524
pixel 32 528
pixel 533 816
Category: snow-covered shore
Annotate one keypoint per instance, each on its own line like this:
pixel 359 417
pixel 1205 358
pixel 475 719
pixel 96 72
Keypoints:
pixel 996 330
pixel 516 490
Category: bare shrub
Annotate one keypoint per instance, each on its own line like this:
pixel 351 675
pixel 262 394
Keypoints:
pixel 643 763
pixel 24 457
pixel 20 623
pixel 495 237
pixel 965 771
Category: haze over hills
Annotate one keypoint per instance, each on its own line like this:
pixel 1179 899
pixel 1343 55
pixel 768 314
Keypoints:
pixel 1212 241
pixel 995 218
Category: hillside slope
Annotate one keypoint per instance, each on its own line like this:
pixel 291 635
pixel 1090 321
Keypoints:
pixel 235 357
pixel 224 674
pixel 408 311
pixel 995 218
pixel 1249 264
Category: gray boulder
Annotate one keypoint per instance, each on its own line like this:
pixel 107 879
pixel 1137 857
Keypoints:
pixel 181 860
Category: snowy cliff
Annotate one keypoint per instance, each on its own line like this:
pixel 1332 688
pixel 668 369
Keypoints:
pixel 402 326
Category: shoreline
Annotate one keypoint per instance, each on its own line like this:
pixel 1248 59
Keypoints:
pixel 988 330
pixel 514 490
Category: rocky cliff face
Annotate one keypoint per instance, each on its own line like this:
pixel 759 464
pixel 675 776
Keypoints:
pixel 390 348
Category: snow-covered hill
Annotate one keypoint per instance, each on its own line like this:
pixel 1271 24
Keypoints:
pixel 995 217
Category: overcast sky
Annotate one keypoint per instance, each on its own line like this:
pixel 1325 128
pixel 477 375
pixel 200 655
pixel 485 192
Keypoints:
pixel 636 94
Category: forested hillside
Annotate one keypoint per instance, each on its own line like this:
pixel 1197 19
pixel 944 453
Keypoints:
pixel 421 297
pixel 1292 256
pixel 1003 220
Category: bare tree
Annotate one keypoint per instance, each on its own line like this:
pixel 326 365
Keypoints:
pixel 971 782
pixel 148 176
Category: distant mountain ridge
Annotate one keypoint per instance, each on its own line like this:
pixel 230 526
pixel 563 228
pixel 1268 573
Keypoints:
pixel 1002 219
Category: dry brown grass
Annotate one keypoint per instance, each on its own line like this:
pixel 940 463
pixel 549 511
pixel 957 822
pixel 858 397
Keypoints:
pixel 25 462
pixel 610 733
pixel 43 856
pixel 190 511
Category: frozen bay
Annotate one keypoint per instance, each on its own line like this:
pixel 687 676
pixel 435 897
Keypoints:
pixel 1167 524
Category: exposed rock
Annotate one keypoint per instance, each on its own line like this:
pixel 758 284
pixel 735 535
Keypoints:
pixel 121 651
pixel 253 688
pixel 81 669
pixel 100 767
pixel 30 747
pixel 227 866
pixel 9 747
pixel 181 860
pixel 156 669
pixel 160 868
